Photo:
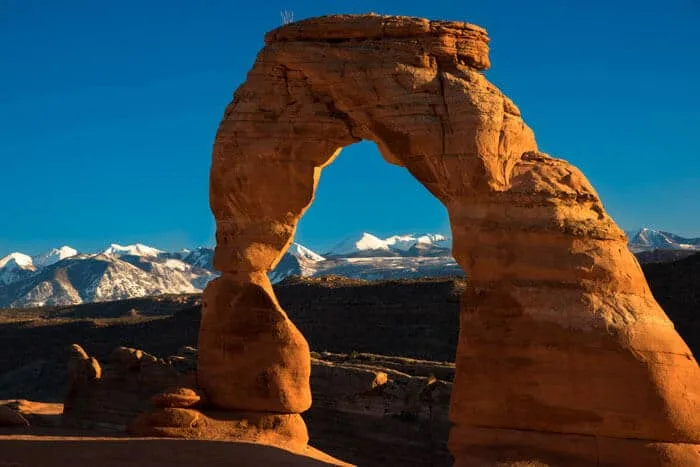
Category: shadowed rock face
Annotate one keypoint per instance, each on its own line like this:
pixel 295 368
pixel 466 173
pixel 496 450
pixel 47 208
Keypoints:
pixel 560 337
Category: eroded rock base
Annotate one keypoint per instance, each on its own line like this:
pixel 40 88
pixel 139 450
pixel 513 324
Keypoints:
pixel 519 448
pixel 284 430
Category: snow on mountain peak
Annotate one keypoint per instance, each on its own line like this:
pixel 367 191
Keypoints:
pixel 395 244
pixel 649 239
pixel 400 242
pixel 14 267
pixel 65 251
pixel 53 256
pixel 16 259
pixel 407 241
pixel 301 252
pixel 351 245
pixel 136 249
pixel 432 238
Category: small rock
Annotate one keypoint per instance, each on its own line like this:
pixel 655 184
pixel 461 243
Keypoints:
pixel 153 423
pixel 179 397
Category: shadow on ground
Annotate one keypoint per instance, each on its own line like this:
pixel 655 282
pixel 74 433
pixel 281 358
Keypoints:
pixel 32 451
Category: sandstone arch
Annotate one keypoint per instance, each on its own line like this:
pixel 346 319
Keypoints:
pixel 564 355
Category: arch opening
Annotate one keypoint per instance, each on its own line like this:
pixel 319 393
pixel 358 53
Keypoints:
pixel 384 359
pixel 401 249
pixel 360 193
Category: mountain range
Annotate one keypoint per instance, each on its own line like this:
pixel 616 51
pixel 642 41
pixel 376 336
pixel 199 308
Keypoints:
pixel 64 276
pixel 647 239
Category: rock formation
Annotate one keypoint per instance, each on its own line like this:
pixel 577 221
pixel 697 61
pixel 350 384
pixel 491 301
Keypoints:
pixel 564 355
pixel 111 393
pixel 373 395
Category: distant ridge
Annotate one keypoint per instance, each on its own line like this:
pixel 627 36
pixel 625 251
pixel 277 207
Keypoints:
pixel 64 276
pixel 646 239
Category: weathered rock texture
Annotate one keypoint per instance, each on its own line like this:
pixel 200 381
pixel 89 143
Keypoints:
pixel 564 356
pixel 373 400
pixel 124 386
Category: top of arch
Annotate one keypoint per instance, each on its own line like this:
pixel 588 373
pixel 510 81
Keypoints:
pixel 467 41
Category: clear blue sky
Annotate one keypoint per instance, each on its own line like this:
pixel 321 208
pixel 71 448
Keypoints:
pixel 108 112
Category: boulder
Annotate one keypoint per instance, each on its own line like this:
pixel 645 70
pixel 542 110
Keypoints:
pixel 180 397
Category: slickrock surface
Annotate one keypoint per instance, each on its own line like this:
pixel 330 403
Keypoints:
pixel 561 339
pixel 70 449
pixel 31 414
pixel 283 430
pixel 41 439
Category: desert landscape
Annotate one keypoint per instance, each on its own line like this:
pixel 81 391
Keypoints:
pixel 538 333
pixel 375 347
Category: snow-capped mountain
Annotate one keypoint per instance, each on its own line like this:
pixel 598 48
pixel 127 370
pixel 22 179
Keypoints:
pixel 367 256
pixel 368 245
pixel 133 250
pixel 17 259
pixel 365 244
pixel 120 271
pixel 92 278
pixel 301 252
pixel 54 255
pixel 406 242
pixel 63 276
pixel 297 261
pixel 647 239
pixel 14 267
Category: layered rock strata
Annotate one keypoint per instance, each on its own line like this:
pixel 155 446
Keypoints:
pixel 564 355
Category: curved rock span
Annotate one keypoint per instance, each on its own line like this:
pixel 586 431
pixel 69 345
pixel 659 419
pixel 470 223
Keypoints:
pixel 564 356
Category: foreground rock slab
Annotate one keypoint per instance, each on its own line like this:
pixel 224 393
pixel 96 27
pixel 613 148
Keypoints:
pixel 70 449
pixel 283 430
pixel 560 334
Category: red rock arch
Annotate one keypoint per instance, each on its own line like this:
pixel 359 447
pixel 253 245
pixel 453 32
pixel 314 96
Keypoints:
pixel 564 355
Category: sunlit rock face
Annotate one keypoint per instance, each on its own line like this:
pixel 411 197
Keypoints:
pixel 564 357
